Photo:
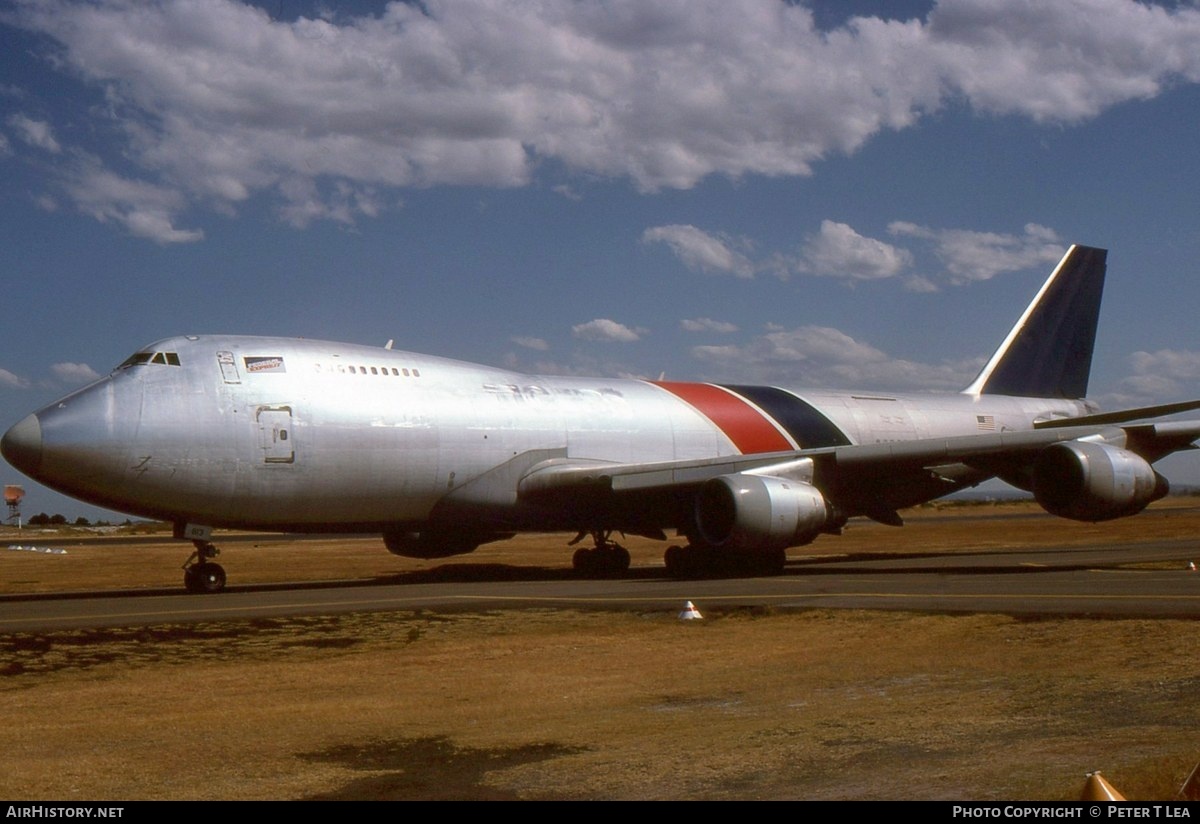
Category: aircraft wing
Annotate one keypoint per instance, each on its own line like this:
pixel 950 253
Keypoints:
pixel 874 479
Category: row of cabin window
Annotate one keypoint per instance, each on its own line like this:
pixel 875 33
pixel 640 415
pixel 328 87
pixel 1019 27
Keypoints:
pixel 382 370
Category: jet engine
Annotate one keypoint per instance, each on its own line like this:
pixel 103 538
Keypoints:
pixel 431 543
pixel 753 512
pixel 1094 482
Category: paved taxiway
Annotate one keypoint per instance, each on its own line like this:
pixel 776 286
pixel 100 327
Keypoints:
pixel 1092 581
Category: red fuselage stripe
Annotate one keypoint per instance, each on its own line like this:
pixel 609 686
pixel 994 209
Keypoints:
pixel 748 428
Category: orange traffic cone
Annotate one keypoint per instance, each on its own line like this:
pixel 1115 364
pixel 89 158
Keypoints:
pixel 690 613
pixel 1097 789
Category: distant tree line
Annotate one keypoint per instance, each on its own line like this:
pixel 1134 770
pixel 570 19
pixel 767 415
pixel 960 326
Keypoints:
pixel 42 519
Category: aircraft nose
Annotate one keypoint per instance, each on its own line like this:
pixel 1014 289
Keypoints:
pixel 22 445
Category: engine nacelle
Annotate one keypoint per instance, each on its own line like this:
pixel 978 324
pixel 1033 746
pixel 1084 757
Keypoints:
pixel 431 543
pixel 759 512
pixel 1094 482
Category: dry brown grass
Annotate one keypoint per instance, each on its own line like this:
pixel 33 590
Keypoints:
pixel 539 704
pixel 563 704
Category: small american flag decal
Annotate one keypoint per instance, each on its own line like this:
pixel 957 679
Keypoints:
pixel 986 422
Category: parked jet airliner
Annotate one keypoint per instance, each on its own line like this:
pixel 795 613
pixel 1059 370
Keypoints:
pixel 441 456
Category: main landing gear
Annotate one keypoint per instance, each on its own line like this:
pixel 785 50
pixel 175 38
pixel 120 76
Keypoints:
pixel 200 574
pixel 606 558
pixel 700 561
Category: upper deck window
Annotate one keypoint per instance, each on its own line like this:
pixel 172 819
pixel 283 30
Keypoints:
pixel 353 369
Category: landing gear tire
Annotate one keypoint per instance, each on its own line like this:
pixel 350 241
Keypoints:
pixel 606 558
pixel 616 558
pixel 205 577
pixel 676 561
pixel 582 560
pixel 199 573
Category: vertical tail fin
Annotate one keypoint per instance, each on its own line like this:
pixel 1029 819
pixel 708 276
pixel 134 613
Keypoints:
pixel 1048 354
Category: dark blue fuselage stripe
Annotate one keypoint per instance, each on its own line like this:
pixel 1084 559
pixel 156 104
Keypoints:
pixel 803 421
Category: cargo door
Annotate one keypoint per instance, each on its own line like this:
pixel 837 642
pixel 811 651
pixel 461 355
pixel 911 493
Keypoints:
pixel 275 434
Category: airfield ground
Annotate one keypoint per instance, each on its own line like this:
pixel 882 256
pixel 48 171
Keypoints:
pixel 549 704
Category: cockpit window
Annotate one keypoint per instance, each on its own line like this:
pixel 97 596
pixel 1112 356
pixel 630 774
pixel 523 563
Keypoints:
pixel 143 358
pixel 136 359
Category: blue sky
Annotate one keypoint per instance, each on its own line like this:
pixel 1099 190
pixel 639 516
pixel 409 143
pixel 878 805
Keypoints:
pixel 839 194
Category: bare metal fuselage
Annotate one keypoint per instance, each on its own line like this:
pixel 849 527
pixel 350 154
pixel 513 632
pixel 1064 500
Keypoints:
pixel 272 433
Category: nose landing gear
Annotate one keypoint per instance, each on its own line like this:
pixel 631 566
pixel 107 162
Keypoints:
pixel 200 574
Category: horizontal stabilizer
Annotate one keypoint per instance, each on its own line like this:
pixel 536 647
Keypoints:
pixel 1121 415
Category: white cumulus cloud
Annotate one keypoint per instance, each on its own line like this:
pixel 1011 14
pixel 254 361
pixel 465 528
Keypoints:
pixel 537 344
pixel 825 357
pixel 840 252
pixel 1165 375
pixel 217 100
pixel 700 250
pixel 974 256
pixel 145 209
pixel 36 133
pixel 74 372
pixel 603 329
pixel 836 251
pixel 707 325
pixel 12 381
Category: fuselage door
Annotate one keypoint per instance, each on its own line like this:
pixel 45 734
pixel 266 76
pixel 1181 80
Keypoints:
pixel 275 434
pixel 229 370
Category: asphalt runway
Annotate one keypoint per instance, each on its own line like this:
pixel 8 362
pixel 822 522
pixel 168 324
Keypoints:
pixel 1095 581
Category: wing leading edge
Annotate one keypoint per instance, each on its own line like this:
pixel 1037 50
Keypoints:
pixel 842 473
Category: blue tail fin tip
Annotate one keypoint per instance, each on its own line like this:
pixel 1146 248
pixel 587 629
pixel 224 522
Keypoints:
pixel 1048 354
